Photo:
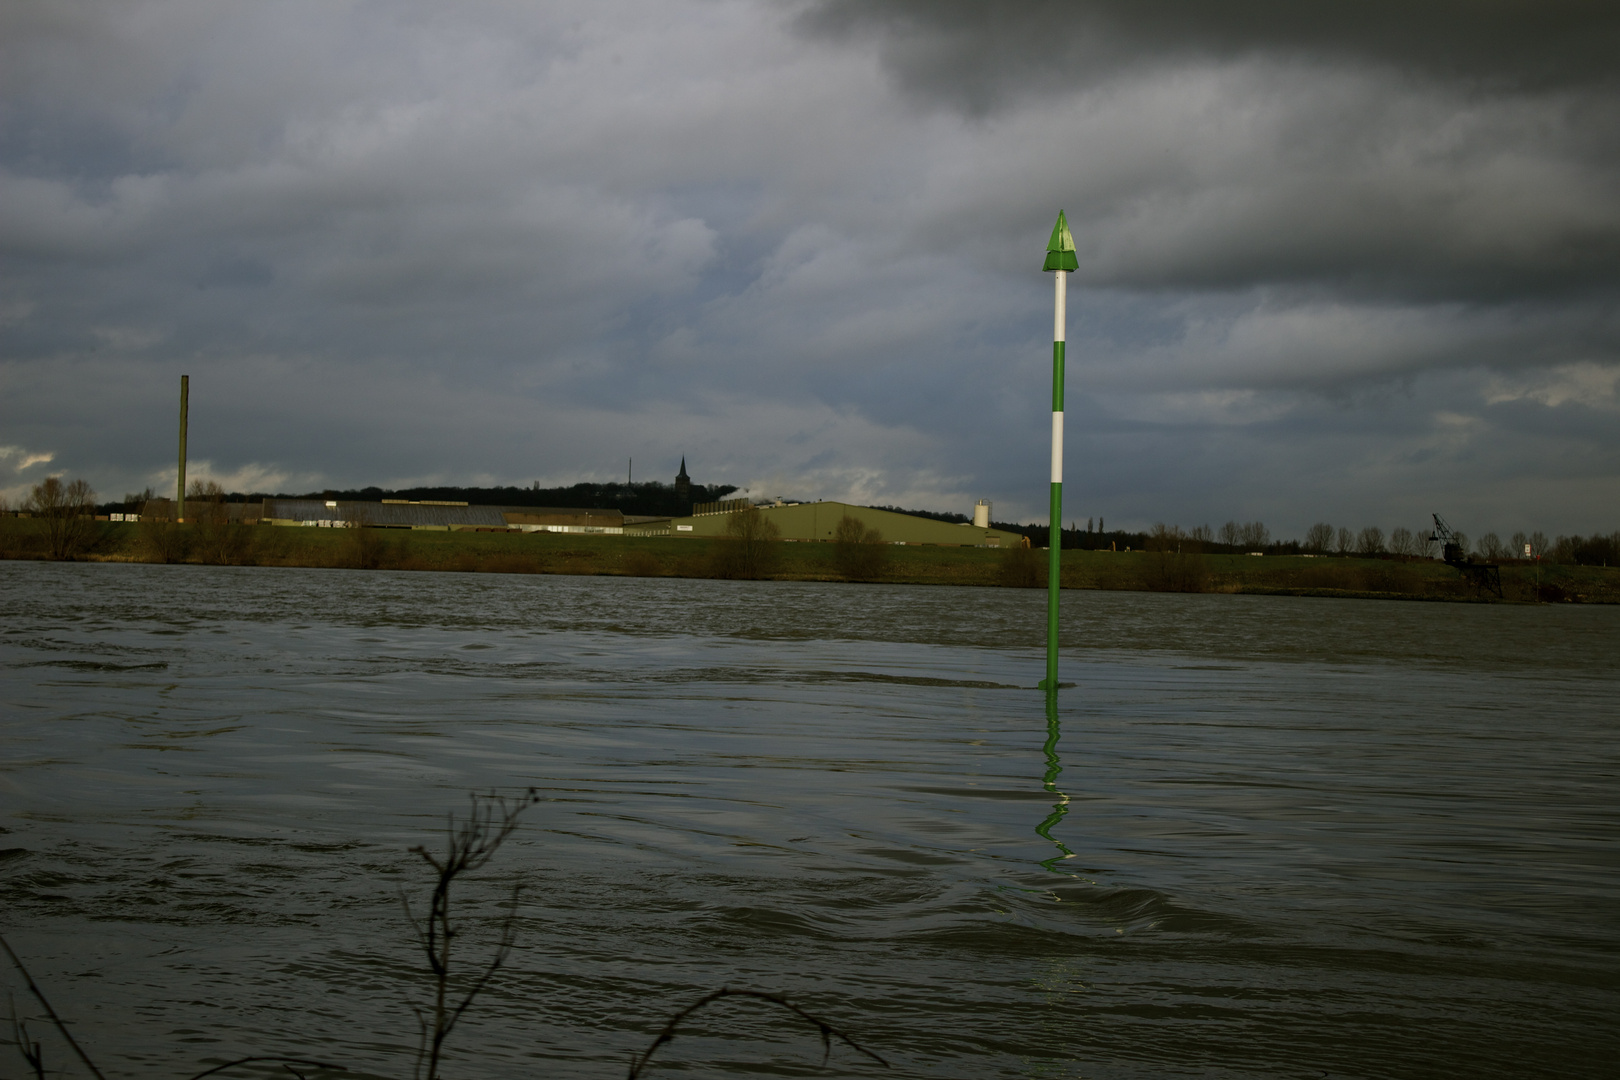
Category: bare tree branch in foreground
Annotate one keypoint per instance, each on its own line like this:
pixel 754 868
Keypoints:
pixel 828 1032
pixel 33 1054
pixel 27 1046
pixel 39 996
pixel 287 1063
pixel 470 844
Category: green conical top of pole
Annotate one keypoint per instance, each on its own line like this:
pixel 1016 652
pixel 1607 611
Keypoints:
pixel 1060 249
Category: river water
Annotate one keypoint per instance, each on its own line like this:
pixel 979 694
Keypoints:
pixel 1259 837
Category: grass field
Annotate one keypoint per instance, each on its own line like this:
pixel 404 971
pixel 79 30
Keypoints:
pixel 554 553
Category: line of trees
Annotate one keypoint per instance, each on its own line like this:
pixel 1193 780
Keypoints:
pixel 1595 550
pixel 650 498
pixel 1323 538
pixel 68 508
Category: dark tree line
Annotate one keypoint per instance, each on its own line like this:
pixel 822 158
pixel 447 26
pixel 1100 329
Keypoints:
pixel 1237 538
pixel 1594 550
pixel 650 498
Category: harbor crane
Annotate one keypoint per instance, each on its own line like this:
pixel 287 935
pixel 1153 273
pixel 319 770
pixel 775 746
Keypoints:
pixel 1481 574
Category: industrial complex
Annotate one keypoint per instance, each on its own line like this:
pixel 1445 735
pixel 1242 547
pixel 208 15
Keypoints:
pixel 802 522
pixel 806 522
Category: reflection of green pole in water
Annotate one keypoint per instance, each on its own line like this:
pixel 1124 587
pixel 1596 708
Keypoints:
pixel 1053 767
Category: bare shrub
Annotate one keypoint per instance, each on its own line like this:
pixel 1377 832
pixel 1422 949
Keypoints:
pixel 1255 536
pixel 691 566
pixel 205 491
pixel 748 550
pixel 1164 537
pixel 19 540
pixel 364 547
pixel 69 513
pixel 1174 563
pixel 215 538
pixel 1116 574
pixel 1319 537
pixel 859 553
pixel 1020 569
pixel 643 564
pixel 163 541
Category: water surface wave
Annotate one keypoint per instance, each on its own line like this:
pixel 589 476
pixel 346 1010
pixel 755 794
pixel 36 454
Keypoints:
pixel 1261 837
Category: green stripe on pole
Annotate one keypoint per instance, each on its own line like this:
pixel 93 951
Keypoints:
pixel 1059 350
pixel 1054 580
pixel 1060 258
pixel 1054 530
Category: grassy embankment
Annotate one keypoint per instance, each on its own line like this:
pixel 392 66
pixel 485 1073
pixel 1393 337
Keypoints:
pixel 552 553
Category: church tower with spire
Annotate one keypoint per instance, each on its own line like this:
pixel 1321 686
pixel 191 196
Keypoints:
pixel 683 488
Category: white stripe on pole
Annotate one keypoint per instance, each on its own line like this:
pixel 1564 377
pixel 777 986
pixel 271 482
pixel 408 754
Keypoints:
pixel 1060 318
pixel 1057 448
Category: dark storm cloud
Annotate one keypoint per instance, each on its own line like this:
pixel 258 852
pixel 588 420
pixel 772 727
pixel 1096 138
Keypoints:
pixel 979 54
pixel 505 241
pixel 1429 150
pixel 1337 228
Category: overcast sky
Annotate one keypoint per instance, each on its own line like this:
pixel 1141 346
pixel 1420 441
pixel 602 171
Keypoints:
pixel 1353 262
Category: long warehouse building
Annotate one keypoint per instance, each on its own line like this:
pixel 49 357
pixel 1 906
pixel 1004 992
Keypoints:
pixel 817 521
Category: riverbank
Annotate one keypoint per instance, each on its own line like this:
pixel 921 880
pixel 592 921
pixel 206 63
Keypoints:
pixel 556 553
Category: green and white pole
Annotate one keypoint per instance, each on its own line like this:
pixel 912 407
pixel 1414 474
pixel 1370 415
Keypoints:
pixel 1060 260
